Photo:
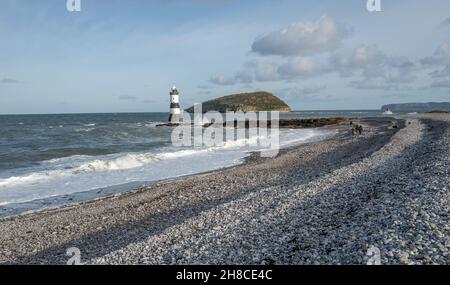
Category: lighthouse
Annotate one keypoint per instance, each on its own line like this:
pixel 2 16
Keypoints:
pixel 175 113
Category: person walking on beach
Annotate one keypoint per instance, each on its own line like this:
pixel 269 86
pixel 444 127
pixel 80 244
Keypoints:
pixel 357 130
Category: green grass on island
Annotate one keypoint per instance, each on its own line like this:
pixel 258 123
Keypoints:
pixel 245 102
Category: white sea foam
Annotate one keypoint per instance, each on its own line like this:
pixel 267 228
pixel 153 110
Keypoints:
pixel 83 173
pixel 127 161
pixel 26 179
pixel 154 124
pixel 79 130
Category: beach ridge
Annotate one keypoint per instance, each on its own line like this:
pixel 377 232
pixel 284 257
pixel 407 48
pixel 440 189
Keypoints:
pixel 319 203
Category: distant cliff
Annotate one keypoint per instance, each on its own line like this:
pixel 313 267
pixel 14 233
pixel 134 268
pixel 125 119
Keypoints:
pixel 418 107
pixel 245 102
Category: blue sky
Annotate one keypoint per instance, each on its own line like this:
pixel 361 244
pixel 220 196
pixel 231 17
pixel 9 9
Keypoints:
pixel 124 55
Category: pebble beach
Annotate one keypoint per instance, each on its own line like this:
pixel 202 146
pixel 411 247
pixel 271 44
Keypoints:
pixel 330 202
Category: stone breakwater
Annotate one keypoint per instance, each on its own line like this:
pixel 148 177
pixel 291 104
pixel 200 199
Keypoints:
pixel 322 203
pixel 283 124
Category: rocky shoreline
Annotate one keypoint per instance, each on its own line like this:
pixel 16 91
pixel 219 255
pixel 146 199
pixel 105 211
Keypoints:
pixel 282 124
pixel 321 203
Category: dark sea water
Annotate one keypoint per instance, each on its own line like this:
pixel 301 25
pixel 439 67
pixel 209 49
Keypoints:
pixel 44 156
pixel 27 140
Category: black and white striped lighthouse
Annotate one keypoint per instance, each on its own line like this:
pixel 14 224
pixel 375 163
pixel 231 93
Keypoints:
pixel 175 113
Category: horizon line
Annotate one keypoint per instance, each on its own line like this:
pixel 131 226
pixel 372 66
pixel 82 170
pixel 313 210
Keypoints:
pixel 96 113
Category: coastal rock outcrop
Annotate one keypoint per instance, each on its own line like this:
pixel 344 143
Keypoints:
pixel 245 102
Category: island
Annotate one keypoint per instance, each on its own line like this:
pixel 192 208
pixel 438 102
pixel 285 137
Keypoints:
pixel 245 102
pixel 418 107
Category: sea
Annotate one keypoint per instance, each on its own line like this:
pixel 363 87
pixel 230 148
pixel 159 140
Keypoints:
pixel 53 160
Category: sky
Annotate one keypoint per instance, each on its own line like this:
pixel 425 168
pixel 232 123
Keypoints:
pixel 125 55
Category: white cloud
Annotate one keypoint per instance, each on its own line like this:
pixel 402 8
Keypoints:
pixel 369 67
pixel 8 81
pixel 440 57
pixel 262 71
pixel 306 38
pixel 306 90
pixel 204 87
pixel 372 84
pixel 399 69
pixel 240 77
pixel 253 70
pixel 127 97
pixel 243 77
pixel 305 93
pixel 205 92
pixel 379 71
pixel 441 72
pixel 440 60
pixel 369 58
pixel 301 67
pixel 446 23
pixel 223 80
pixel 445 83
